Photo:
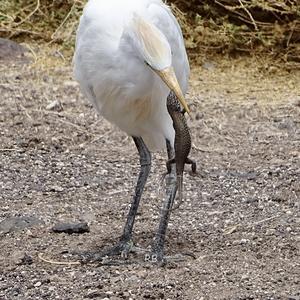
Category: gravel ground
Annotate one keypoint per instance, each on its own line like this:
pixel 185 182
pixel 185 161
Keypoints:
pixel 60 162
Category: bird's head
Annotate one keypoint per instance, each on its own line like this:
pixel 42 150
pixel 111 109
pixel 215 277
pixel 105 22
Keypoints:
pixel 155 50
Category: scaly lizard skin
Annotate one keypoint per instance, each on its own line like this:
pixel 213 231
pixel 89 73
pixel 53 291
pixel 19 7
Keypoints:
pixel 183 143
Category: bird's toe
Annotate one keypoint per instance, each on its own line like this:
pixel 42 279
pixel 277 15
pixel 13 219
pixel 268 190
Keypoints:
pixel 121 250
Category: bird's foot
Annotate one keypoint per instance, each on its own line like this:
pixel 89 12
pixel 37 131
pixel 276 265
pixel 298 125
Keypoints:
pixel 121 250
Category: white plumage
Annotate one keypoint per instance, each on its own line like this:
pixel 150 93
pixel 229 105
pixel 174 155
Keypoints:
pixel 123 48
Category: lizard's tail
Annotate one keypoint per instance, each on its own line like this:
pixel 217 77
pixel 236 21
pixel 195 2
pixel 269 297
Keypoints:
pixel 179 191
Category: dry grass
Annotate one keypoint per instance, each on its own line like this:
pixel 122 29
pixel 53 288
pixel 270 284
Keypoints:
pixel 54 22
pixel 210 26
pixel 242 27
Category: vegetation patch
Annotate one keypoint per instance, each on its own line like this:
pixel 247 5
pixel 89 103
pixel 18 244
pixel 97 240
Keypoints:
pixel 242 26
pixel 210 26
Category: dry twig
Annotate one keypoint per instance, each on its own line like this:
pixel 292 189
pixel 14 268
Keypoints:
pixel 249 14
pixel 59 263
pixel 30 14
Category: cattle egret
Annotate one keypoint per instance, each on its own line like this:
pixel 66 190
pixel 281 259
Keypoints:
pixel 129 55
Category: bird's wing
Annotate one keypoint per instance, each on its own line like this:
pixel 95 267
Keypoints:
pixel 162 17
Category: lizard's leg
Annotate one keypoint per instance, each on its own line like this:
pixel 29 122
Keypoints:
pixel 193 163
pixel 169 165
pixel 125 245
pixel 169 168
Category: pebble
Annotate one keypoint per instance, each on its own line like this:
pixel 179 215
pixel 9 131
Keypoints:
pixel 95 294
pixel 21 258
pixel 38 284
pixel 54 105
pixel 71 84
pixel 270 231
pixel 244 241
pixel 56 188
pixel 10 50
pixel 209 66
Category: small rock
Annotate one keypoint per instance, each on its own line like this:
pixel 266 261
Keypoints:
pixel 70 228
pixel 27 260
pixel 109 293
pixel 54 105
pixel 38 284
pixel 95 294
pixel 245 277
pixel 199 116
pixel 297 102
pixel 249 200
pixel 10 50
pixel 16 291
pixel 21 258
pixel 71 84
pixel 270 231
pixel 273 69
pixel 244 241
pixel 56 188
pixel 209 66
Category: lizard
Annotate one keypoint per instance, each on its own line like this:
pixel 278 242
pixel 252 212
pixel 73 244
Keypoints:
pixel 182 143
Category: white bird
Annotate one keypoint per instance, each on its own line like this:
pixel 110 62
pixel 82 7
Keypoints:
pixel 129 55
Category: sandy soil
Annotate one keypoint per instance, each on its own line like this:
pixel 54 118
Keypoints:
pixel 240 218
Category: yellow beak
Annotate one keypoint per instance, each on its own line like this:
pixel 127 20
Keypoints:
pixel 169 78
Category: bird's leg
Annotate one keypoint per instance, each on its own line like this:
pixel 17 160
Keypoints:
pixel 157 253
pixel 125 244
pixel 145 162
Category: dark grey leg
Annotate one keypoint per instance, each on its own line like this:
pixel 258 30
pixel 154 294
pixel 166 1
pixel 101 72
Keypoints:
pixel 157 254
pixel 125 244
pixel 170 150
pixel 145 162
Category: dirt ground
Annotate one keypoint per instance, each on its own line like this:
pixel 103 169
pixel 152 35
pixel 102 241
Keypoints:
pixel 240 217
